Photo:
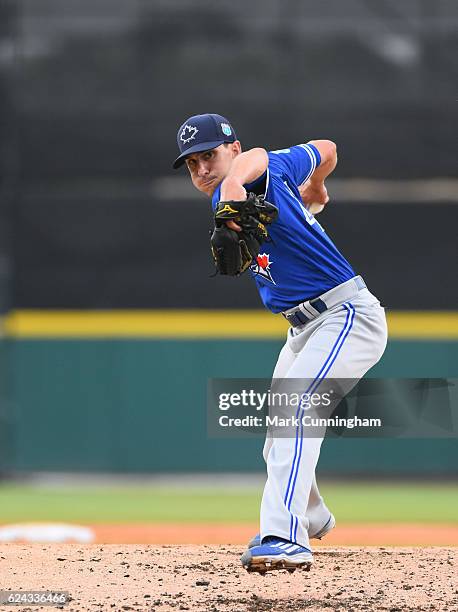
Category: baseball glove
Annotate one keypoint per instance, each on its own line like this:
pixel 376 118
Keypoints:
pixel 233 252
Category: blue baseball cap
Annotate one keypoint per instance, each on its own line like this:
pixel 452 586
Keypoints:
pixel 202 133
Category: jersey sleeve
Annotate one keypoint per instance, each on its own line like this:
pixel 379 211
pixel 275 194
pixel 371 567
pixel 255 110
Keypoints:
pixel 216 197
pixel 299 161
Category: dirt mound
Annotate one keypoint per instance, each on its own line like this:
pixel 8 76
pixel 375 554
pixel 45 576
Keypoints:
pixel 211 579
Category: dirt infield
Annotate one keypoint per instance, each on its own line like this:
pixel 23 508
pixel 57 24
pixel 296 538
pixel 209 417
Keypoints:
pixel 346 535
pixel 210 578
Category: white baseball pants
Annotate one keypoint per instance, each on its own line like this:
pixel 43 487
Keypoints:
pixel 343 342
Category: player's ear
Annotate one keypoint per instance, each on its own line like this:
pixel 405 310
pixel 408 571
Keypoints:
pixel 236 148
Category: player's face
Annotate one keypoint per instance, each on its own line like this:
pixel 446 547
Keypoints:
pixel 209 168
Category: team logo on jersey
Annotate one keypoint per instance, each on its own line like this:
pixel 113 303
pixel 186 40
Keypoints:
pixel 226 129
pixel 188 133
pixel 261 267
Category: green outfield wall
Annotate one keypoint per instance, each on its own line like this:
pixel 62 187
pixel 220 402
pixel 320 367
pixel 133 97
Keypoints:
pixel 139 405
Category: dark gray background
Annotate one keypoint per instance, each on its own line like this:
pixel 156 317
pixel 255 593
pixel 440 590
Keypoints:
pixel 91 95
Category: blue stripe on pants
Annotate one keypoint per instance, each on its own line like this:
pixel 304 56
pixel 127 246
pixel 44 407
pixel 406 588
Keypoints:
pixel 312 388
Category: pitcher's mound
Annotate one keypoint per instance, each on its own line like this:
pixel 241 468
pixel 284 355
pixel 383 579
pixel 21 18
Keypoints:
pixel 210 578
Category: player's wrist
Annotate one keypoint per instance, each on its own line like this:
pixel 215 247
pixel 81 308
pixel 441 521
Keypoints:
pixel 232 189
pixel 316 182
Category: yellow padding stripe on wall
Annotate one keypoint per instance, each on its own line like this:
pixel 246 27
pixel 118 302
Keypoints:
pixel 178 324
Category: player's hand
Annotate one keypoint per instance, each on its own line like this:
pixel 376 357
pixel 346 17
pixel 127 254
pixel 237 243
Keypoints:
pixel 233 226
pixel 313 193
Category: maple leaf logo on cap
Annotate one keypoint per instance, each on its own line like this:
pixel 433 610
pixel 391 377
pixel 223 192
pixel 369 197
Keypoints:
pixel 188 133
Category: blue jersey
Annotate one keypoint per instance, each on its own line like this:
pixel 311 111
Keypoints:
pixel 300 261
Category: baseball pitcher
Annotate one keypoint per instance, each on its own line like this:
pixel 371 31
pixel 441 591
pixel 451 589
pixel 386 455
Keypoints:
pixel 264 205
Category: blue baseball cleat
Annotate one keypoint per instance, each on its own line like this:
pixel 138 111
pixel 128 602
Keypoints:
pixel 327 527
pixel 276 553
pixel 255 541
